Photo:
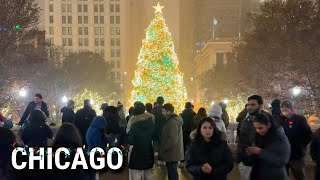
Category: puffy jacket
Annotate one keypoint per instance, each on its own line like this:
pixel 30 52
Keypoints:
pixel 140 136
pixel 95 135
pixel 217 154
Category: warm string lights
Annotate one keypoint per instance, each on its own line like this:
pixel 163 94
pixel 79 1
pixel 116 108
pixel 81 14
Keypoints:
pixel 157 70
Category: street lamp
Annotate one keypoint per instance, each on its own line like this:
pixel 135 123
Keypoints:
pixel 22 92
pixel 225 101
pixel 64 99
pixel 92 102
pixel 212 103
pixel 296 91
pixel 191 78
pixel 214 23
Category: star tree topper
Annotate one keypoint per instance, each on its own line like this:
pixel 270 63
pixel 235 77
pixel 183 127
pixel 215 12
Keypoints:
pixel 158 8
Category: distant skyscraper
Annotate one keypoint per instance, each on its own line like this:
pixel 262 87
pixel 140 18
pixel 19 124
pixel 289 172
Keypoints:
pixel 88 25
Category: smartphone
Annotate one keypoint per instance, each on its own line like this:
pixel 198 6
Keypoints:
pixel 9 117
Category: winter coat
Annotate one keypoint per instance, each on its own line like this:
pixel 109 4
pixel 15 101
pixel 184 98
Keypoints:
pixel 225 116
pixel 137 118
pixel 30 109
pixel 36 135
pixel 299 134
pixel 160 120
pixel 247 134
pixel 215 113
pixel 217 154
pixel 123 121
pixel 271 163
pixel 187 116
pixel 140 136
pixel 83 121
pixel 68 115
pixel 171 142
pixel 240 118
pixel 315 149
pixel 95 135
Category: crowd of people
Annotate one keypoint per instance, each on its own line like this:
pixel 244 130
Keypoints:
pixel 269 145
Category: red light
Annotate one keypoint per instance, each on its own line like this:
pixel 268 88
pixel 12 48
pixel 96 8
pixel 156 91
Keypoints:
pixel 290 123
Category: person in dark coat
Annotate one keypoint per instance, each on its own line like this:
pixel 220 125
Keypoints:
pixel 315 152
pixel 187 115
pixel 96 133
pixel 159 121
pixel 130 114
pixel 271 152
pixel 241 116
pixel 140 137
pixel 201 114
pixel 36 104
pixel 6 148
pixel 68 136
pixel 68 114
pixel 208 156
pixel 299 134
pixel 149 107
pixel 84 118
pixel 113 128
pixel 225 116
pixel 276 111
pixel 36 133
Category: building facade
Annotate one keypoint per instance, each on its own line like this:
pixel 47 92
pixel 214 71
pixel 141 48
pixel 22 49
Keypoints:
pixel 88 25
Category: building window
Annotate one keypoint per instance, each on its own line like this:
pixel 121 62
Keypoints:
pixel 101 7
pixel 96 19
pixel 51 31
pixel 69 30
pixel 230 58
pixel 112 64
pixel 118 31
pixel 102 53
pixel 111 30
pixel 111 19
pixel 118 64
pixel 69 41
pixel 50 7
pixel 118 20
pixel 85 19
pixel 113 52
pixel 64 8
pixel 85 8
pixel 118 52
pixel 102 30
pixel 79 8
pixel 64 30
pixel 64 41
pixel 102 42
pixel 80 41
pixel 219 59
pixel 118 8
pixel 96 8
pixel 69 19
pixel 96 41
pixel 96 31
pixel 111 7
pixel 64 19
pixel 51 19
pixel 112 75
pixel 79 19
pixel 101 19
pixel 80 30
pixel 86 31
pixel 86 42
pixel 96 51
pixel 51 40
pixel 112 42
pixel 118 41
pixel 69 7
pixel 118 75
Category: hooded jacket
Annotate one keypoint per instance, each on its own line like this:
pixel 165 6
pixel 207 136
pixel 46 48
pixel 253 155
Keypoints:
pixel 137 118
pixel 140 136
pixel 95 135
pixel 215 113
pixel 171 142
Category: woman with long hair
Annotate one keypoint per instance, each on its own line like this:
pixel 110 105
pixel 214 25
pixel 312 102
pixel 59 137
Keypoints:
pixel 271 152
pixel 37 132
pixel 201 114
pixel 209 156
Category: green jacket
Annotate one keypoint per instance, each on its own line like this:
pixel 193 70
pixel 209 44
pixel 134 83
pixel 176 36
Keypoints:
pixel 171 142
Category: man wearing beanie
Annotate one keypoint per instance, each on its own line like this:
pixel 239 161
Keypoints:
pixel 299 134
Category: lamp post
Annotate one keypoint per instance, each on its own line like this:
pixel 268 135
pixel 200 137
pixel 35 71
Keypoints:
pixel 23 92
pixel 214 23
pixel 64 99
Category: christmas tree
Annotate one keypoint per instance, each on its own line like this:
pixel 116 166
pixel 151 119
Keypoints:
pixel 157 70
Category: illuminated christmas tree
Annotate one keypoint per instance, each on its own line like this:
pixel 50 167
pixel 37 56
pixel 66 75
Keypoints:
pixel 157 70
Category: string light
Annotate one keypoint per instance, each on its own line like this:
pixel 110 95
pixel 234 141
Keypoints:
pixel 157 70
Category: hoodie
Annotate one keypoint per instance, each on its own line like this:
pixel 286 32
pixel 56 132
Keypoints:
pixel 216 113
pixel 95 135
